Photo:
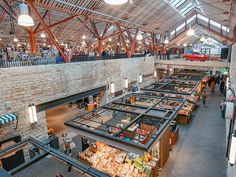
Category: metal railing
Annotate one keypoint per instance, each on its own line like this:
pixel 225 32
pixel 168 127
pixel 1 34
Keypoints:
pixel 46 61
pixel 26 62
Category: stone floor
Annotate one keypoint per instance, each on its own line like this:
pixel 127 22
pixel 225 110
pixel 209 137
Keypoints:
pixel 200 151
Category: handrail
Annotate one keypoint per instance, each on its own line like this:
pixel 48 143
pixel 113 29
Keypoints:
pixel 59 60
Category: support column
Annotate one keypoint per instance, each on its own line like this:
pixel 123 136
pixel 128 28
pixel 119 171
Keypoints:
pixel 32 40
pixel 100 47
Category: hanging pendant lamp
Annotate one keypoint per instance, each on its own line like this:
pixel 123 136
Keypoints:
pixel 190 31
pixel 24 19
pixel 115 2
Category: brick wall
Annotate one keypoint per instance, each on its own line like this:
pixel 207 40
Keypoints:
pixel 21 86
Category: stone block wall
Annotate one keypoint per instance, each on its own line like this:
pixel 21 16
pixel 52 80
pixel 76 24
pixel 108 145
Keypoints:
pixel 21 86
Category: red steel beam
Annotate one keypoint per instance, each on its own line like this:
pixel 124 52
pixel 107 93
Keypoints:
pixel 129 36
pixel 100 46
pixel 44 15
pixel 32 40
pixel 78 37
pixel 87 27
pixel 118 46
pixel 57 23
pixel 113 34
pixel 133 44
pixel 122 37
pixel 153 43
pixel 105 30
pixel 95 29
pixel 47 30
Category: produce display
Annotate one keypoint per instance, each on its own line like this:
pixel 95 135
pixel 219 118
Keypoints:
pixel 116 162
pixel 187 108
pixel 193 98
pixel 168 104
pixel 182 89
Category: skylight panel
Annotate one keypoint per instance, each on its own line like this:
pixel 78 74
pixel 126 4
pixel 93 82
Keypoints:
pixel 186 7
pixel 180 3
pixel 187 10
pixel 175 2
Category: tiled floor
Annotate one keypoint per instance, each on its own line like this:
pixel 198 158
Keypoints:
pixel 200 151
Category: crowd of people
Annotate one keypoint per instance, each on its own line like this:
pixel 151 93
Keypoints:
pixel 213 82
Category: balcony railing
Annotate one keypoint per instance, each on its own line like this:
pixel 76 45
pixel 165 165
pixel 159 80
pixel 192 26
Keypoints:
pixel 59 60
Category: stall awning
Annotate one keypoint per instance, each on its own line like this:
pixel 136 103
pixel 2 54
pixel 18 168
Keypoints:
pixel 7 118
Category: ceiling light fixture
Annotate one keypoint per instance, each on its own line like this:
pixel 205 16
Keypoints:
pixel 115 2
pixel 190 32
pixel 166 41
pixel 202 39
pixel 15 39
pixel 24 19
pixel 185 45
pixel 139 37
pixel 42 35
pixel 83 37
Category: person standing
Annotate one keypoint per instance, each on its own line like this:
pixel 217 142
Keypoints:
pixel 85 143
pixel 222 86
pixel 67 141
pixel 164 54
pixel 223 108
pixel 204 96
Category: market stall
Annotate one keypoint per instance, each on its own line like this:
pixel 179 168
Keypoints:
pixel 135 124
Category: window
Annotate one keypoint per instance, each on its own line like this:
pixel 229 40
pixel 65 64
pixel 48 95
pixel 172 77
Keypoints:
pixel 215 23
pixel 180 27
pixel 202 18
pixel 172 33
pixel 225 28
pixel 191 19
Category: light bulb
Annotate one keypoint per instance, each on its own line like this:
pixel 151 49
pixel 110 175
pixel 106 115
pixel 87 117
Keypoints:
pixel 166 41
pixel 83 37
pixel 190 32
pixel 15 39
pixel 139 37
pixel 43 35
pixel 115 2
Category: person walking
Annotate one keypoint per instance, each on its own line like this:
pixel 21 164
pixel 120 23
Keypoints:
pixel 213 85
pixel 223 108
pixel 222 86
pixel 204 96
